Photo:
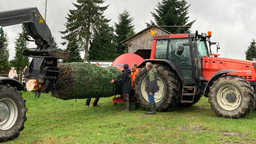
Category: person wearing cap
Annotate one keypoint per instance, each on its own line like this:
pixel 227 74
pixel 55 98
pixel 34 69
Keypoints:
pixel 134 71
pixel 151 87
pixel 125 82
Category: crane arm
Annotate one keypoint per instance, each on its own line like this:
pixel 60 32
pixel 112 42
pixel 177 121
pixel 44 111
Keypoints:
pixel 43 70
pixel 33 23
pixel 37 28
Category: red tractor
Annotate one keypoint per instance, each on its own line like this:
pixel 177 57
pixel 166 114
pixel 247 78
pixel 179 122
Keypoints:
pixel 187 70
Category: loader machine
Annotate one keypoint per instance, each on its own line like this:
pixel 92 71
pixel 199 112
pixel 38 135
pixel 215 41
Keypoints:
pixel 42 71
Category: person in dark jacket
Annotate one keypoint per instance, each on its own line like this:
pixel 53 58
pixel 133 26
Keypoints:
pixel 125 81
pixel 151 87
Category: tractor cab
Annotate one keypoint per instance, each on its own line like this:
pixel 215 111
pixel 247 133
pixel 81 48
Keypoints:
pixel 185 52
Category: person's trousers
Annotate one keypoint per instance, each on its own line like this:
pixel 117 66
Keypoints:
pixel 95 102
pixel 37 95
pixel 151 98
pixel 132 95
pixel 126 97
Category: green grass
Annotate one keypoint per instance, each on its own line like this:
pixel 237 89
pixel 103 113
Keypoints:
pixel 51 120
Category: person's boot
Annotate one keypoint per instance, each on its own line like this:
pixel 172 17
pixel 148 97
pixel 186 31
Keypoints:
pixel 151 109
pixel 130 101
pixel 126 106
pixel 136 106
pixel 155 108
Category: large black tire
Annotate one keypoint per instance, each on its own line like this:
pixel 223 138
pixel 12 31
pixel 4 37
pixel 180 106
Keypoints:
pixel 168 92
pixel 231 96
pixel 12 113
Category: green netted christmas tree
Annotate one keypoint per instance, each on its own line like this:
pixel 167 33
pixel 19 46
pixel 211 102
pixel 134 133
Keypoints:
pixel 80 80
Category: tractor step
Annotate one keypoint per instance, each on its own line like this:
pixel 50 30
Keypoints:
pixel 188 94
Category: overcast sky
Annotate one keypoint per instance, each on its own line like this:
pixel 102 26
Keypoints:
pixel 232 22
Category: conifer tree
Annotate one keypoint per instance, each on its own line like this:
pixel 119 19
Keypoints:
pixel 87 15
pixel 172 13
pixel 4 54
pixel 122 29
pixel 102 46
pixel 20 61
pixel 131 33
pixel 251 51
pixel 74 52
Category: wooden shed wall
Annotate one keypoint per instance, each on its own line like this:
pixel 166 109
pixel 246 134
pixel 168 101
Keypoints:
pixel 144 40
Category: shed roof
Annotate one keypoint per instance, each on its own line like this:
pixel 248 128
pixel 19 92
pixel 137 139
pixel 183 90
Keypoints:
pixel 148 28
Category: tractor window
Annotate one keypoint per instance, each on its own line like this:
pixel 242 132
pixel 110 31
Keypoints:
pixel 161 48
pixel 202 49
pixel 185 58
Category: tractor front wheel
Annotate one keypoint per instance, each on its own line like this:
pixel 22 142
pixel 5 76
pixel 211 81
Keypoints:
pixel 231 96
pixel 12 113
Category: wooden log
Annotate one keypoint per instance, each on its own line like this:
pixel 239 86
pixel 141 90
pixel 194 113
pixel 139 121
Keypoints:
pixel 32 85
pixel 83 80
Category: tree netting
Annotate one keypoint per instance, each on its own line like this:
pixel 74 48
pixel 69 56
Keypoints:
pixel 80 80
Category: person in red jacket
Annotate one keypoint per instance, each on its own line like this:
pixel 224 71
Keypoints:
pixel 134 71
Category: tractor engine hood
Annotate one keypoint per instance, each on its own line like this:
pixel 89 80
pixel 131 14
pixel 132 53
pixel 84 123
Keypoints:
pixel 244 68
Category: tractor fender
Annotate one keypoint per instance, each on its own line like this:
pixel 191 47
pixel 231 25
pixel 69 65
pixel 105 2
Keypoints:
pixel 215 76
pixel 12 82
pixel 168 63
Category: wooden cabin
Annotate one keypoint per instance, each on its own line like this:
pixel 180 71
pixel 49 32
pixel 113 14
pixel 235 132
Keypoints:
pixel 141 43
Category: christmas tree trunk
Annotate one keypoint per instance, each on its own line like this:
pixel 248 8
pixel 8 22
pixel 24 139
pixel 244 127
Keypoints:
pixel 83 80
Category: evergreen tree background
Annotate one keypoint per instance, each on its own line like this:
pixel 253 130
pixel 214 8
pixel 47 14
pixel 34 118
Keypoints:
pixel 82 21
pixel 122 30
pixel 251 51
pixel 131 33
pixel 74 52
pixel 102 47
pixel 171 13
pixel 20 61
pixel 4 55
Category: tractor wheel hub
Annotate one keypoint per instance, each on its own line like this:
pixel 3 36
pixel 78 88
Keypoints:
pixel 4 112
pixel 230 97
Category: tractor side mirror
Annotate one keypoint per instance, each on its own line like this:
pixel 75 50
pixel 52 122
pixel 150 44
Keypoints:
pixel 212 43
pixel 180 50
pixel 218 46
pixel 215 43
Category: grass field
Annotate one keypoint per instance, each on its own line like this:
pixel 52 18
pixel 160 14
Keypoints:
pixel 51 120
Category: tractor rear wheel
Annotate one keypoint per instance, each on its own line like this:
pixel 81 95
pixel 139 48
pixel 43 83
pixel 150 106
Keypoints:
pixel 168 92
pixel 231 96
pixel 12 113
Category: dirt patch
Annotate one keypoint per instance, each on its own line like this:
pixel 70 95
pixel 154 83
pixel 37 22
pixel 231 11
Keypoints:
pixel 230 133
pixel 192 127
pixel 161 127
pixel 47 140
pixel 52 140
pixel 200 107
